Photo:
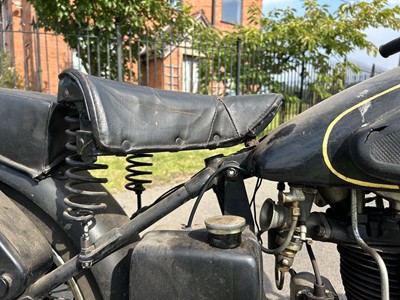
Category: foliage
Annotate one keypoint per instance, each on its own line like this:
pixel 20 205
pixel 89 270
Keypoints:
pixel 283 41
pixel 8 75
pixel 90 27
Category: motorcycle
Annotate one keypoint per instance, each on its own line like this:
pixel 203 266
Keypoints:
pixel 63 235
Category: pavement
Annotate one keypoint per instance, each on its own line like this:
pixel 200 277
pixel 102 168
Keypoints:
pixel 326 254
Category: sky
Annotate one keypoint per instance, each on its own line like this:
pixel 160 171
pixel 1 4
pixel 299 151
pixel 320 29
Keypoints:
pixel 377 36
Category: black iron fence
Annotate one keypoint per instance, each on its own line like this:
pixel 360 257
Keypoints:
pixel 31 58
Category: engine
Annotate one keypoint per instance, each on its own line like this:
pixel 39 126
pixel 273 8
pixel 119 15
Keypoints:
pixel 363 224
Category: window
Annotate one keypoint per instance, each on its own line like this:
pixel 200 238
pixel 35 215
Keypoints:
pixel 232 11
pixel 77 62
pixel 191 79
pixel 174 3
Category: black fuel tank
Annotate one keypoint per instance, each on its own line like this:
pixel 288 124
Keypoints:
pixel 322 146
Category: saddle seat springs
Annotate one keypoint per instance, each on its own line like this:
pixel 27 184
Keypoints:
pixel 83 199
pixel 134 171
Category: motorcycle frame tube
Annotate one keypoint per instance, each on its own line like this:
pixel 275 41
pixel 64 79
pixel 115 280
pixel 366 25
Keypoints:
pixel 110 242
pixel 118 237
pixel 48 194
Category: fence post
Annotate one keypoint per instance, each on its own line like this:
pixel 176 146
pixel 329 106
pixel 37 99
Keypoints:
pixel 238 63
pixel 373 70
pixel 26 69
pixel 283 112
pixel 302 75
pixel 12 53
pixel 38 57
pixel 119 49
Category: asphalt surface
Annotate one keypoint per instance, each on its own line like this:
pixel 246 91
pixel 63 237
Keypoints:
pixel 326 253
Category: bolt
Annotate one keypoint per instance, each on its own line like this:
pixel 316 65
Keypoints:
pixel 321 231
pixel 296 211
pixel 285 262
pixel 86 264
pixel 231 173
pixel 5 284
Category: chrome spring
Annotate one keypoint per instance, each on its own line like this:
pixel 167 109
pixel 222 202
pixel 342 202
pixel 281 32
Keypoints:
pixel 80 209
pixel 134 183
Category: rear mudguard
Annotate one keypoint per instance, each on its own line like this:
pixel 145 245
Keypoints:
pixel 25 254
pixel 112 273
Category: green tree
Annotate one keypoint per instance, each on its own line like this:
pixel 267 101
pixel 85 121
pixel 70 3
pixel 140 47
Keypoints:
pixel 9 78
pixel 284 41
pixel 89 27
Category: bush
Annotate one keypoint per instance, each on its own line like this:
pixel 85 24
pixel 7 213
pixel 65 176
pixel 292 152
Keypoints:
pixel 8 75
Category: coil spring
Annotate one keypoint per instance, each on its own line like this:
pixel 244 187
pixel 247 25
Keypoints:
pixel 134 183
pixel 79 209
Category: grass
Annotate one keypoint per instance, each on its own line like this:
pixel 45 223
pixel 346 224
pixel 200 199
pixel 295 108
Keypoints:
pixel 167 167
pixel 170 167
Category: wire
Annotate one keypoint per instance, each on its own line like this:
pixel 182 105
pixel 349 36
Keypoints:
pixel 314 264
pixel 159 199
pixel 205 188
pixel 287 241
pixel 253 203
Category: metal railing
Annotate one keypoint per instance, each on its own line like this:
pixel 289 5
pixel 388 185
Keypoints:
pixel 31 58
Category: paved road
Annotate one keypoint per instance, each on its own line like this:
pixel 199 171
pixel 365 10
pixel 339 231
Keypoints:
pixel 326 254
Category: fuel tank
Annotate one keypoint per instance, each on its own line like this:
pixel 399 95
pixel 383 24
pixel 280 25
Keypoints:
pixel 350 139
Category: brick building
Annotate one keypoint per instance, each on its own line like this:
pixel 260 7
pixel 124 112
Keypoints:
pixel 178 68
pixel 224 13
pixel 38 57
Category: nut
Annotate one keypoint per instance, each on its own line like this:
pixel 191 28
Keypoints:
pixel 5 284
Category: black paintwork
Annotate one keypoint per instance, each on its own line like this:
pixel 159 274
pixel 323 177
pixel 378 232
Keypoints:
pixel 31 131
pixel 180 265
pixel 24 253
pixel 376 148
pixel 48 194
pixel 233 200
pixel 293 152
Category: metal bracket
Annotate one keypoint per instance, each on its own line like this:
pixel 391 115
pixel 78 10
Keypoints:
pixel 232 197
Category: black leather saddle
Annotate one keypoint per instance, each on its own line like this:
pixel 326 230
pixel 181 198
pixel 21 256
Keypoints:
pixel 127 118
pixel 32 131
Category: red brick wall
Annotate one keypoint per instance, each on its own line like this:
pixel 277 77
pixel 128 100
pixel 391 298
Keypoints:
pixel 173 64
pixel 156 71
pixel 37 54
pixel 206 6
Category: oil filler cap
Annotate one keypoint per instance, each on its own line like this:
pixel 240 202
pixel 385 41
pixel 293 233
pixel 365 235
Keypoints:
pixel 225 232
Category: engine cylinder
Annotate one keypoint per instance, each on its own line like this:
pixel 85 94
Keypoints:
pixel 360 273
